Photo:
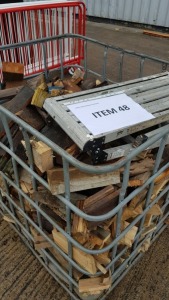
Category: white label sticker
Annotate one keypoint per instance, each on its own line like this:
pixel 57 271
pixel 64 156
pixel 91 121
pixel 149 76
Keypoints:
pixel 108 114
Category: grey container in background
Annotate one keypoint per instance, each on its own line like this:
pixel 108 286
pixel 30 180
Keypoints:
pixel 150 12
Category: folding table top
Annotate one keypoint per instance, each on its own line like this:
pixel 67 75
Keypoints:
pixel 151 93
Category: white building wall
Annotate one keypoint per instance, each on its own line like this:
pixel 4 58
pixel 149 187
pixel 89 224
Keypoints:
pixel 151 12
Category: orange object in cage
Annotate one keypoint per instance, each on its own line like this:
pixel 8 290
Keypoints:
pixel 35 20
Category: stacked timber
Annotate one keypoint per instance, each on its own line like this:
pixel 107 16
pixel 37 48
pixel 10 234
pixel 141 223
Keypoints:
pixel 92 194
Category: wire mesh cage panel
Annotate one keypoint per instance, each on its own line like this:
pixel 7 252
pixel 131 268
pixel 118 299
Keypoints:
pixel 87 246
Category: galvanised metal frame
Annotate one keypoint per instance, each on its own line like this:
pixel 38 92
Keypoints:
pixel 8 205
pixel 82 49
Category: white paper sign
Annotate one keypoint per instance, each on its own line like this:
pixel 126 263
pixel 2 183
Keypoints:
pixel 109 113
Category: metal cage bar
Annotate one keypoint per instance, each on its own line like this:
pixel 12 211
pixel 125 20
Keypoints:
pixel 117 273
pixel 81 49
pixel 8 205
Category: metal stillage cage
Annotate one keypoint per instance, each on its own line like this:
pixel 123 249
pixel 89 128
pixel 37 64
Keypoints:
pixel 83 270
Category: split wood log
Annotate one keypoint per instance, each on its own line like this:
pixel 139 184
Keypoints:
pixel 8 219
pixel 58 83
pixel 102 201
pixel 71 86
pixel 12 71
pixel 155 210
pixel 165 157
pixel 128 239
pixel 79 180
pixel 31 117
pixel 106 224
pixel 40 241
pixel 17 136
pixel 14 90
pixel 141 166
pixel 43 156
pixel 25 176
pixel 61 212
pixel 81 238
pixel 54 216
pixel 26 187
pixel 54 92
pixel 103 258
pixel 162 176
pixel 42 245
pixel 113 227
pixel 88 83
pixel 85 260
pixel 93 243
pixel 9 92
pixel 40 95
pixel 73 150
pixel 101 84
pixel 8 168
pixel 138 199
pixel 77 76
pixel 35 81
pixel 145 246
pixel 26 184
pixel 93 285
pixel 17 146
pixel 102 234
pixel 27 206
pixel 148 229
pixel 101 268
pixel 79 224
pixel 97 238
pixel 145 154
pixel 46 198
pixel 158 188
pixel 46 118
pixel 2 186
pixel 139 180
pixel 148 220
pixel 57 135
pixel 19 102
pixel 131 213
pixel 46 225
pixel 3 161
pixel 64 263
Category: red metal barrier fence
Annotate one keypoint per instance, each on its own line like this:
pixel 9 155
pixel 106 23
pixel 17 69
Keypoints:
pixel 31 21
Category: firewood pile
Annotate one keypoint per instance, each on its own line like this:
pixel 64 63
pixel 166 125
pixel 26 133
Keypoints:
pixel 92 193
